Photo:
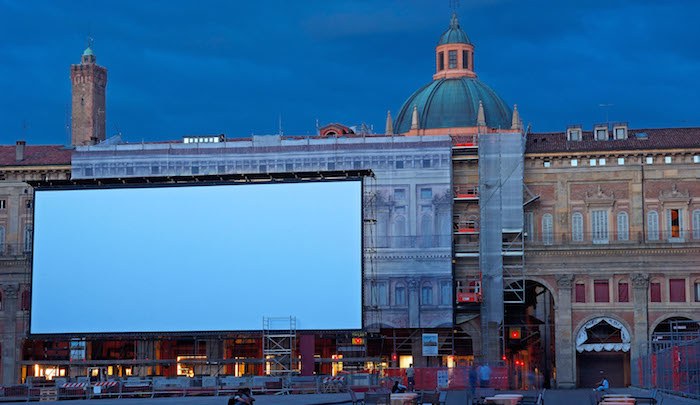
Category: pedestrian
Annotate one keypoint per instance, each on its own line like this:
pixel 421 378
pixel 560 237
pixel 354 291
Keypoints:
pixel 398 388
pixel 411 377
pixel 484 375
pixel 472 379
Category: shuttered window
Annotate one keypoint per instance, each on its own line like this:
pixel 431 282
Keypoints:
pixel 580 293
pixel 653 225
pixel 547 229
pixel 655 292
pixel 623 227
pixel 623 292
pixel 599 226
pixel 696 224
pixel 577 227
pixel 676 290
pixel 601 291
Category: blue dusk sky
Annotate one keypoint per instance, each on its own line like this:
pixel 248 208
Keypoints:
pixel 234 67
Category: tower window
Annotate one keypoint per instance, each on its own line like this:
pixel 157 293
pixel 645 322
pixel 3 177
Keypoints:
pixel 465 60
pixel 452 59
pixel 441 60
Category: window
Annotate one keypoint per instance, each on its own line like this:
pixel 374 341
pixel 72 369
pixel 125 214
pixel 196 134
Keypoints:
pixel 620 161
pixel 129 170
pixel 668 159
pixel 262 168
pixel 426 193
pixel 580 293
pixel 155 170
pixel 653 225
pixel 650 160
pixel 382 294
pixel 623 227
pixel 577 227
pixel 623 292
pixel 676 290
pixel 356 164
pixel 426 163
pixel 655 292
pixel 696 288
pixel 601 162
pixel 529 225
pixel 620 133
pixel 289 167
pixel 673 223
pixel 452 62
pixel 2 240
pixel 574 162
pixel 331 165
pixel 592 162
pixel 441 61
pixel 400 295
pixel 399 164
pixel 601 134
pixel 195 169
pixel 696 224
pixel 88 171
pixel 547 163
pixel 696 159
pixel 599 226
pixel 547 229
pixel 445 293
pixel 3 204
pixel 465 60
pixel 399 194
pixel 28 239
pixel 427 295
pixel 601 291
pixel 24 302
pixel 574 134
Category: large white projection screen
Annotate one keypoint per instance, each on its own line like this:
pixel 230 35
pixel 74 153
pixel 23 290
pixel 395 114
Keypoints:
pixel 197 258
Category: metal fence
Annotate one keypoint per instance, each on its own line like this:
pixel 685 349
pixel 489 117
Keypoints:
pixel 675 369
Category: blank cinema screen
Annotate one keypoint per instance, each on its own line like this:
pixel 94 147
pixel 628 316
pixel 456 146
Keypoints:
pixel 197 258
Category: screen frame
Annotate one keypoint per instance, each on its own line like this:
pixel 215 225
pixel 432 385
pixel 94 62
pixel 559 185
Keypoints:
pixel 197 181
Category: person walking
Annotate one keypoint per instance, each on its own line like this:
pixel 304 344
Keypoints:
pixel 411 377
pixel 484 375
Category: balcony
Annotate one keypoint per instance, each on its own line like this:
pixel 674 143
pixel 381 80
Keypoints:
pixel 465 142
pixel 414 242
pixel 614 240
pixel 14 250
pixel 467 227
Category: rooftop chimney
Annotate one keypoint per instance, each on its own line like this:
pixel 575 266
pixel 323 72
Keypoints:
pixel 19 150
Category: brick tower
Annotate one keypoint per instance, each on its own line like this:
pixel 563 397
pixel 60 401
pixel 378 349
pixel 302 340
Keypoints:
pixel 89 81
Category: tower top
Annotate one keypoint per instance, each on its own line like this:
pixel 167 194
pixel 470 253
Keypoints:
pixel 88 54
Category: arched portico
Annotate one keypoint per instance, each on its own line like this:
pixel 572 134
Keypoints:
pixel 602 345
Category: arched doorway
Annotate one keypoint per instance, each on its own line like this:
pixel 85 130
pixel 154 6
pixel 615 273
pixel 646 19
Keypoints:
pixel 529 338
pixel 672 331
pixel 602 346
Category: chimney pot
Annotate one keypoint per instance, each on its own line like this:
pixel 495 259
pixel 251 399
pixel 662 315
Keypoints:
pixel 19 150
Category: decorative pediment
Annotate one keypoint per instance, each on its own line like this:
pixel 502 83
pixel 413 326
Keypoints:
pixel 674 195
pixel 599 198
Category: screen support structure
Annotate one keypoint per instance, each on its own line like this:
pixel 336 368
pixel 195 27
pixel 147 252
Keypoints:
pixel 279 345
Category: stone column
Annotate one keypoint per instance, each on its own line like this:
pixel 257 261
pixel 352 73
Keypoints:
pixel 563 340
pixel 640 332
pixel 413 303
pixel 9 340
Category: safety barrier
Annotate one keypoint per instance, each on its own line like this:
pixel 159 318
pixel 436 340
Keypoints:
pixel 675 369
pixel 444 378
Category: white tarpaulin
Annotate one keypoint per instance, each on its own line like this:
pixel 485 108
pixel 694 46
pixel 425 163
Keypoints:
pixel 582 337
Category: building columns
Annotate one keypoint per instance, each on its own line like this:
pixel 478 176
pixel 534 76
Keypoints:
pixel 640 332
pixel 563 340
pixel 9 340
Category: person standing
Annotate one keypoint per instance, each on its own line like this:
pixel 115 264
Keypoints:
pixel 472 379
pixel 411 377
pixel 484 375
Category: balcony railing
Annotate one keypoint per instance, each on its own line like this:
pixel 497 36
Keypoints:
pixel 14 249
pixel 613 238
pixel 466 192
pixel 414 242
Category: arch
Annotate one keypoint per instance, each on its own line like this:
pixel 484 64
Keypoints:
pixel 603 315
pixel 670 315
pixel 546 284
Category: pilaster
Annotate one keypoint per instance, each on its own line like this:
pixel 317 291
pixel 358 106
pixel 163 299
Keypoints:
pixel 563 340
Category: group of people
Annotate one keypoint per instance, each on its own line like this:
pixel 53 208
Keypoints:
pixel 242 396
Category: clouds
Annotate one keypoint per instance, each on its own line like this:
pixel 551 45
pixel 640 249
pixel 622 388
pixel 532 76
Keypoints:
pixel 233 67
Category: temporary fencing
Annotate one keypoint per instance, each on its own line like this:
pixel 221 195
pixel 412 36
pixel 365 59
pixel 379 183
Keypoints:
pixel 446 378
pixel 675 369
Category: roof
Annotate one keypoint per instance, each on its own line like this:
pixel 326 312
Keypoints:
pixel 36 155
pixel 656 138
pixel 452 103
pixel 454 34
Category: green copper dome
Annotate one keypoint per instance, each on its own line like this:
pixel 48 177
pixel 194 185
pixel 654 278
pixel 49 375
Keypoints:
pixel 454 34
pixel 88 52
pixel 453 102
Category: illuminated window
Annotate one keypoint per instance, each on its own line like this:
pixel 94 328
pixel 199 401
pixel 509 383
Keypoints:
pixel 620 161
pixel 574 162
pixel 592 162
pixel 650 160
pixel 673 223
pixel 668 159
pixel 3 204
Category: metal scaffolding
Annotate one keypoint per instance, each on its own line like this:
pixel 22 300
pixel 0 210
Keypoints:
pixel 279 345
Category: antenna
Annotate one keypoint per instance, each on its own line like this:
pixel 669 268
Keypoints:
pixel 68 124
pixel 606 106
pixel 279 128
pixel 25 129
